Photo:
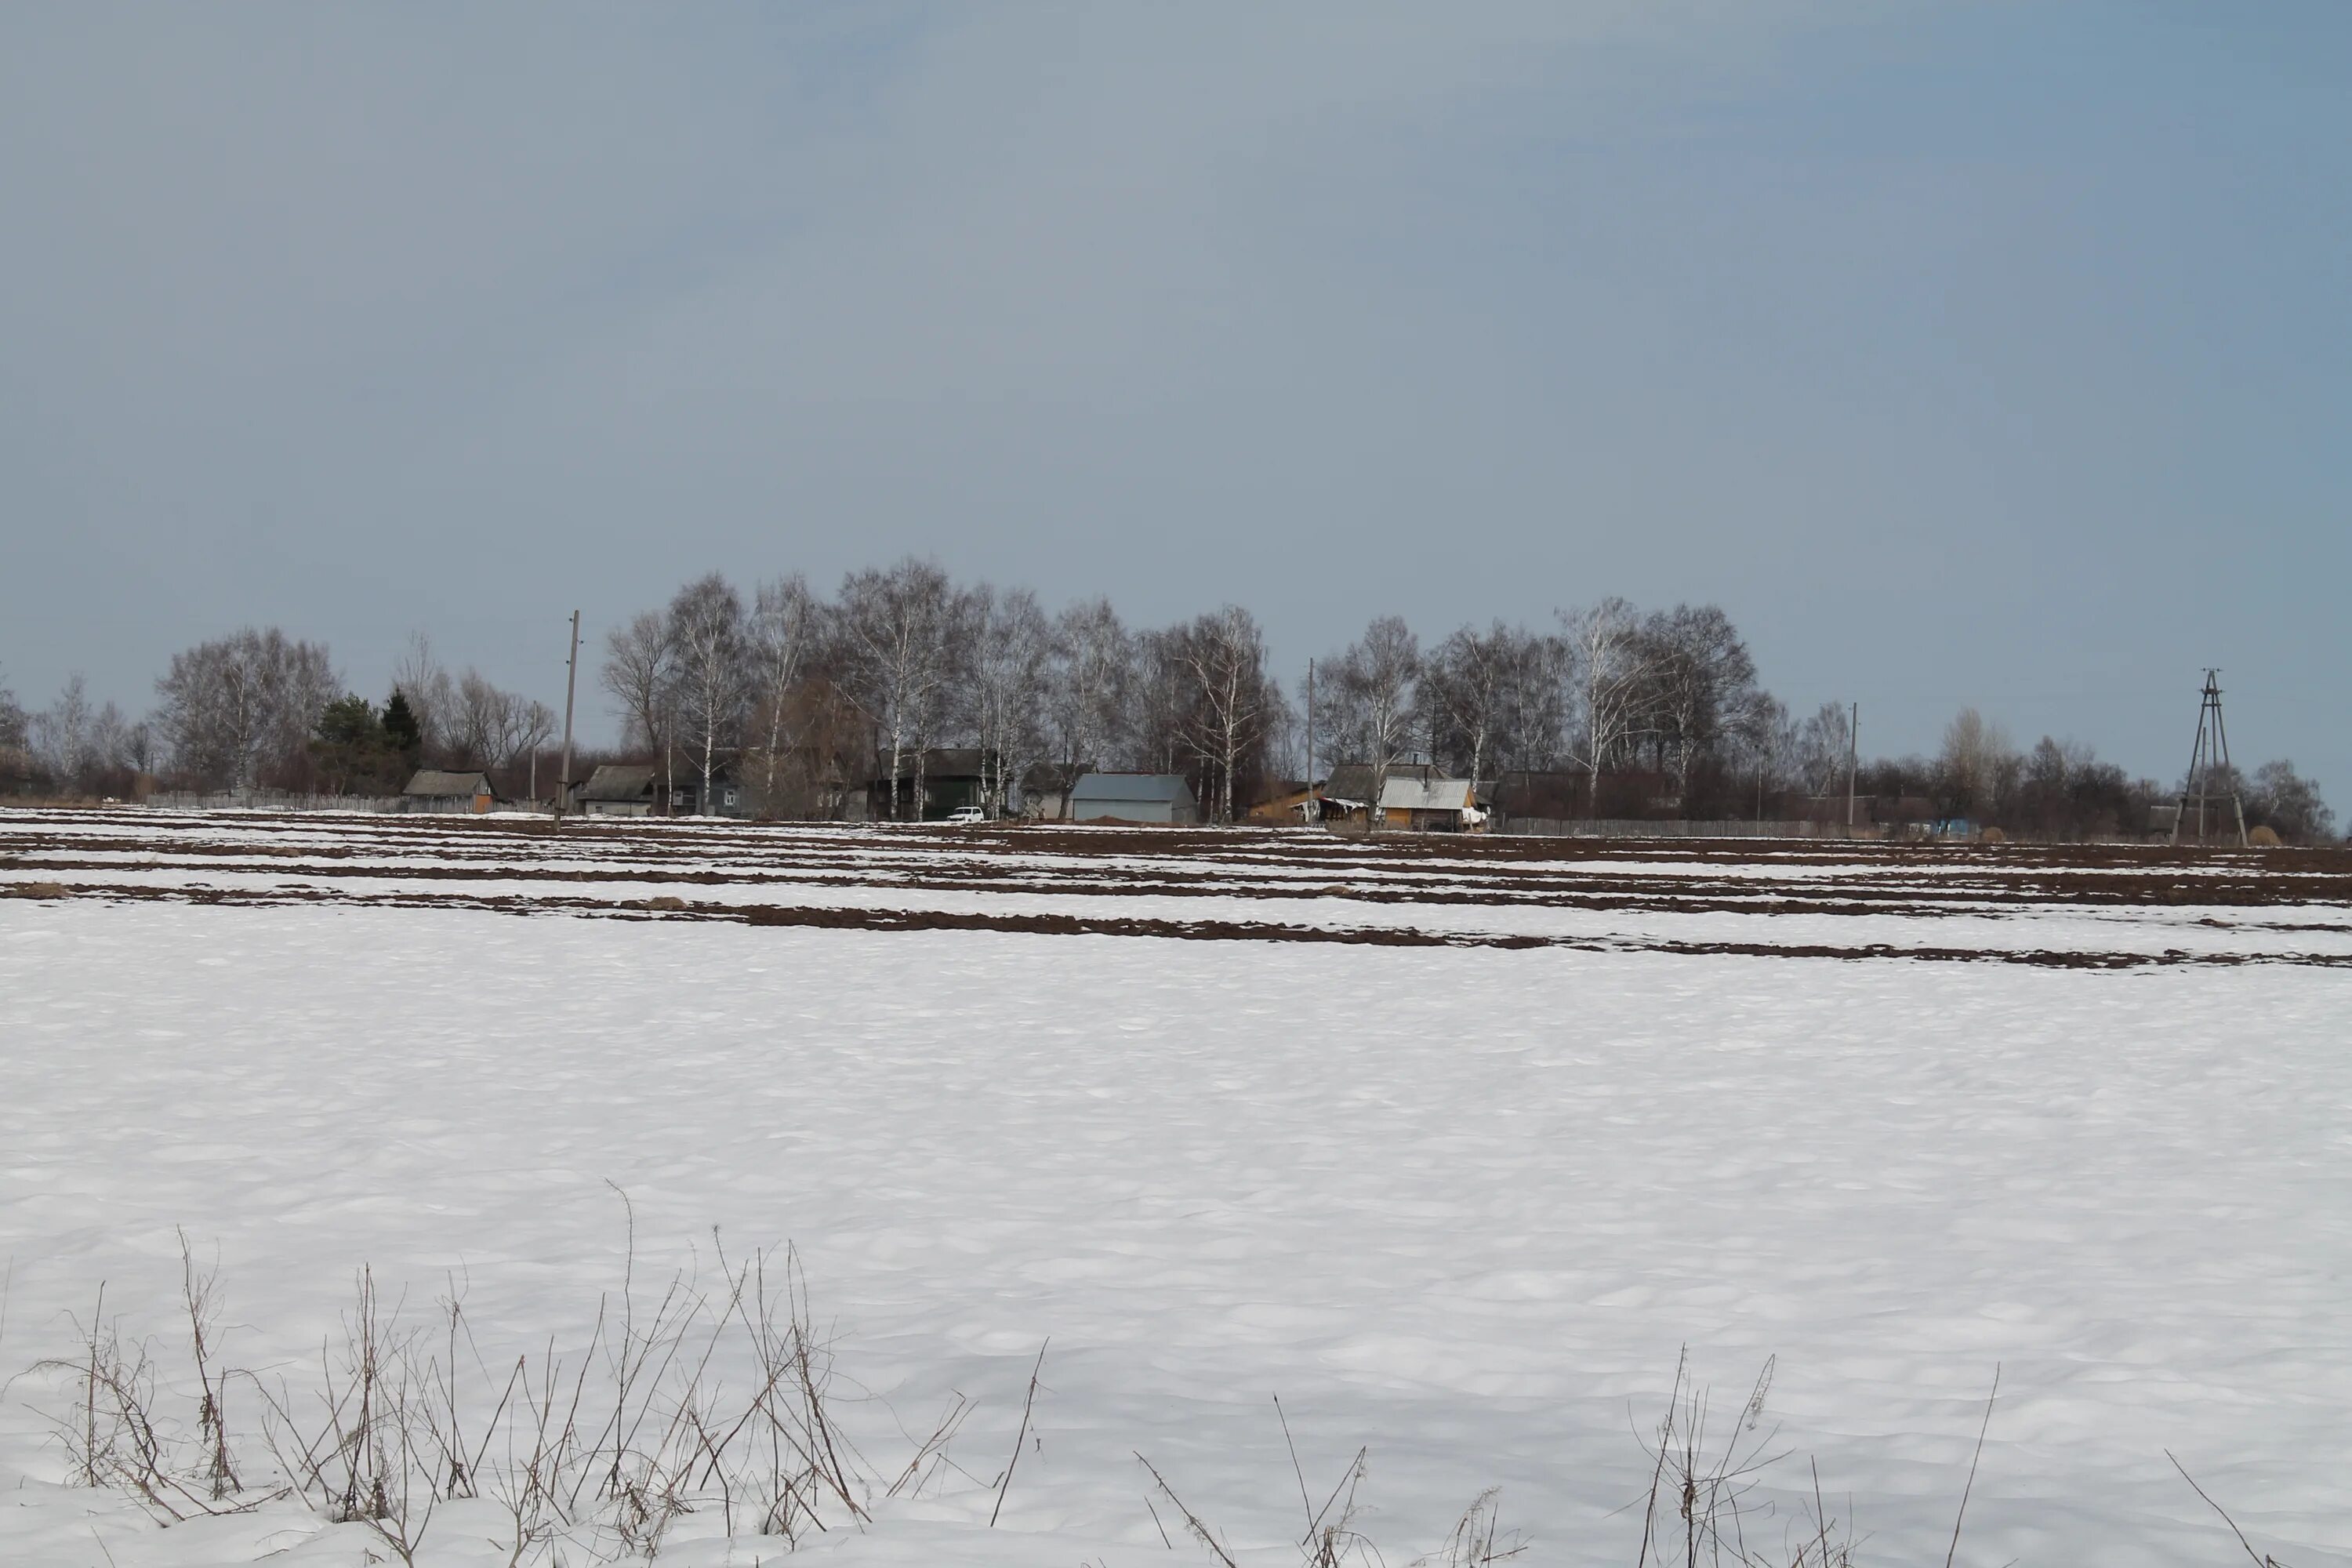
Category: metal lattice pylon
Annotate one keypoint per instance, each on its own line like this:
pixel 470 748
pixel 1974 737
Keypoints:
pixel 2211 752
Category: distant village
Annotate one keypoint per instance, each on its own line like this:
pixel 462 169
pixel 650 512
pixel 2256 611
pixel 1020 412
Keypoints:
pixel 907 697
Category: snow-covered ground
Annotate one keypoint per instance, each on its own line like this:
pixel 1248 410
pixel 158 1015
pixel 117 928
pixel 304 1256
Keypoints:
pixel 1464 1207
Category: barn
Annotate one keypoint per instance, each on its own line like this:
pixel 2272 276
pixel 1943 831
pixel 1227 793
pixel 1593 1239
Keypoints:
pixel 622 789
pixel 1163 798
pixel 442 789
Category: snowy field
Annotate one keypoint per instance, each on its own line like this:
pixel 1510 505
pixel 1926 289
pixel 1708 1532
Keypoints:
pixel 1454 1147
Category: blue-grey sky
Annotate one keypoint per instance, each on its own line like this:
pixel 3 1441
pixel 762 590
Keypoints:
pixel 1981 354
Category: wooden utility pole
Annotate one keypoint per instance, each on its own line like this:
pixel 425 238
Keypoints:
pixel 1314 811
pixel 571 680
pixel 1853 762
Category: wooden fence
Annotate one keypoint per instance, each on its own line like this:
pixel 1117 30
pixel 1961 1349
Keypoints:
pixel 267 800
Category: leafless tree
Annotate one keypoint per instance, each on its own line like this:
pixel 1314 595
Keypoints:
pixel 2289 805
pixel 481 728
pixel 1975 762
pixel 1491 699
pixel 1161 703
pixel 1373 716
pixel 431 695
pixel 111 741
pixel 639 673
pixel 236 705
pixel 1093 680
pixel 705 629
pixel 898 630
pixel 61 733
pixel 1007 680
pixel 1700 678
pixel 14 720
pixel 1610 663
pixel 537 727
pixel 1224 653
pixel 1760 743
pixel 1823 749
pixel 491 728
pixel 1532 729
pixel 16 737
pixel 786 630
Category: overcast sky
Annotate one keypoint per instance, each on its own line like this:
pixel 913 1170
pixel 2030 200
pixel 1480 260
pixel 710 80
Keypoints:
pixel 1981 354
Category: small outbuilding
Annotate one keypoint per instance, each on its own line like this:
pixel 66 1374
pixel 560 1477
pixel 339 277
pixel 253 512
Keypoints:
pixel 622 789
pixel 443 789
pixel 1158 798
pixel 1429 806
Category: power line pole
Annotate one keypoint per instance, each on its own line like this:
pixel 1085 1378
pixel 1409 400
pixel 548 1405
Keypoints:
pixel 1853 763
pixel 570 680
pixel 1313 811
pixel 2211 750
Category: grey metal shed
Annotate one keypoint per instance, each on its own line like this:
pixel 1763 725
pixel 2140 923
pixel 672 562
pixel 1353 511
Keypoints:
pixel 1134 797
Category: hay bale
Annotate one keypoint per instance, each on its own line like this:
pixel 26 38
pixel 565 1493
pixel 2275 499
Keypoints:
pixel 1995 836
pixel 2264 838
pixel 38 891
pixel 666 901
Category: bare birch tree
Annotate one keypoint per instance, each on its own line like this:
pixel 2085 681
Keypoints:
pixel 1491 699
pixel 61 733
pixel 706 636
pixel 1609 664
pixel 234 706
pixel 1224 653
pixel 1007 676
pixel 897 631
pixel 1093 680
pixel 1372 702
pixel 786 629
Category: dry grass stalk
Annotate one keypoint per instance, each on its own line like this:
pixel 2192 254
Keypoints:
pixel 591 1453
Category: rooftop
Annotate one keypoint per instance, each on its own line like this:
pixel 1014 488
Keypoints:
pixel 447 782
pixel 1133 786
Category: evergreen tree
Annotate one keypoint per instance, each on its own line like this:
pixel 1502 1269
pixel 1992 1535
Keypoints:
pixel 350 722
pixel 349 748
pixel 401 730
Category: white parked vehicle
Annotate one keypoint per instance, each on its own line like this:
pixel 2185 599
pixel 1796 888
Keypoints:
pixel 966 816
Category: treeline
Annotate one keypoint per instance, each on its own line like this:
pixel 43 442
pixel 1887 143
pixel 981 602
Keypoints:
pixel 798 691
pixel 257 709
pixel 798 698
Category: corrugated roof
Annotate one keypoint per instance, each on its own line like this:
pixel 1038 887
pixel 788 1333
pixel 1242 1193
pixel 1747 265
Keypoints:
pixel 1132 787
pixel 1426 794
pixel 442 782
